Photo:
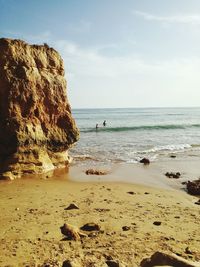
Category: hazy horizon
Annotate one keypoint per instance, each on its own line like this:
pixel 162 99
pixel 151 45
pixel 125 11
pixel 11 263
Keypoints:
pixel 117 54
pixel 181 107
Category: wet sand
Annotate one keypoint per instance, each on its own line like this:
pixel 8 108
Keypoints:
pixel 33 209
pixel 149 175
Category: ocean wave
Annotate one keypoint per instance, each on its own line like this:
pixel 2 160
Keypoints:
pixel 84 158
pixel 171 148
pixel 140 128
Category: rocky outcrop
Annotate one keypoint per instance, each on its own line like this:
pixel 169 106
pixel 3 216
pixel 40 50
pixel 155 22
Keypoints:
pixel 193 187
pixel 36 126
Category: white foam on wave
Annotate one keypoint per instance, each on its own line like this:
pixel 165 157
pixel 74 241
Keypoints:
pixel 178 147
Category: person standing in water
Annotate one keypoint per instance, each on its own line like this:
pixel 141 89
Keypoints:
pixel 104 123
pixel 97 126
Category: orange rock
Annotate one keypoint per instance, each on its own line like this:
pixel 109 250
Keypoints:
pixel 35 116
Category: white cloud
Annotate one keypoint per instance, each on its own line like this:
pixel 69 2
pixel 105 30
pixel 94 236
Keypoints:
pixel 179 18
pixel 91 62
pixel 97 80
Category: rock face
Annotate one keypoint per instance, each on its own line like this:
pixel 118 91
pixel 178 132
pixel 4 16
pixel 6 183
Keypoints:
pixel 36 126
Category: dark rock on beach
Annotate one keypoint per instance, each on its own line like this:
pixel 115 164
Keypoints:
pixel 126 228
pixel 193 187
pixel 174 175
pixel 72 206
pixel 157 223
pixel 145 161
pixel 95 172
pixel 90 227
pixel 131 193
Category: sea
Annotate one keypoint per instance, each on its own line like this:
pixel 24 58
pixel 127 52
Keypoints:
pixel 131 134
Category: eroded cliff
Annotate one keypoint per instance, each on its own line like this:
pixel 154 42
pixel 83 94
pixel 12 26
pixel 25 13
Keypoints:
pixel 36 126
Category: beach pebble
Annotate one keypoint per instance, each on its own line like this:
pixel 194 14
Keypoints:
pixel 131 193
pixel 90 227
pixel 157 223
pixel 174 175
pixel 95 172
pixel 145 161
pixel 126 228
pixel 72 206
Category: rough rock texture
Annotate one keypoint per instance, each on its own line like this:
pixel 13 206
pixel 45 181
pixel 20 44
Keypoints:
pixel 36 127
pixel 193 187
pixel 162 259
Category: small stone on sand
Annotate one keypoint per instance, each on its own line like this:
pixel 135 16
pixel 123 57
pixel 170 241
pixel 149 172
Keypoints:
pixel 131 193
pixel 157 223
pixel 95 172
pixel 90 227
pixel 72 206
pixel 126 228
pixel 145 161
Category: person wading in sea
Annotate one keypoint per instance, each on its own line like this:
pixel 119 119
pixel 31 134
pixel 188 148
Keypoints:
pixel 104 123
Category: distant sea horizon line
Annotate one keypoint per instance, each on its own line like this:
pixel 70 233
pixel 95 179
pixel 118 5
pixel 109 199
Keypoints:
pixel 179 107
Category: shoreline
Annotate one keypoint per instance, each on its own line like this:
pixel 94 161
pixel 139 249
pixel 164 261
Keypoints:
pixel 148 175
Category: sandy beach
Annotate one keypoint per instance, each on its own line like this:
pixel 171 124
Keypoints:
pixel 34 208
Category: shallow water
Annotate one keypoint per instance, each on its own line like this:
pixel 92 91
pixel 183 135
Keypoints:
pixel 133 133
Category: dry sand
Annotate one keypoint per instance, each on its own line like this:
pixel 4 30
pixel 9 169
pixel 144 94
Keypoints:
pixel 33 209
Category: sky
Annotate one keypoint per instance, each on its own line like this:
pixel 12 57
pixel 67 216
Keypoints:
pixel 117 53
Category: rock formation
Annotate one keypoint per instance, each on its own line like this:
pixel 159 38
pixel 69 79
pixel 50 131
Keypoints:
pixel 36 126
pixel 193 187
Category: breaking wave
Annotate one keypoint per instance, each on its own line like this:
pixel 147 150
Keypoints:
pixel 141 128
